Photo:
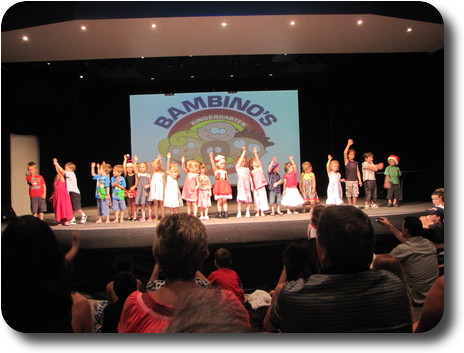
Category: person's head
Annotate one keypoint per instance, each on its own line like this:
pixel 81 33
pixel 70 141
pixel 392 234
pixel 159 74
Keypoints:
pixel 316 214
pixel 412 226
pixel 123 263
pixel 156 165
pixel 222 258
pixel 124 284
pixel 435 214
pixel 118 169
pixel 288 167
pixel 253 163
pixel 297 260
pixel 174 169
pixel 193 166
pixel 105 169
pixel 368 157
pixel 307 167
pixel 180 246
pixel 334 165
pixel 70 167
pixel 243 162
pixel 393 160
pixel 209 310
pixel 345 240
pixel 202 168
pixel 32 168
pixel 275 167
pixel 351 154
pixel 438 198
pixel 143 167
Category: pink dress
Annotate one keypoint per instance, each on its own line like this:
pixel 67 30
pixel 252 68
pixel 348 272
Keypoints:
pixel 62 202
pixel 188 191
pixel 243 184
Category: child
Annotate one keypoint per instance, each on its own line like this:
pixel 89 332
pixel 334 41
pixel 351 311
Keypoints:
pixel 71 185
pixel 102 191
pixel 131 187
pixel 143 184
pixel 438 198
pixel 392 180
pixel 118 183
pixel 275 186
pixel 61 201
pixel 244 184
pixel 222 190
pixel 259 184
pixel 370 183
pixel 352 175
pixel 156 188
pixel 37 191
pixel 171 191
pixel 334 189
pixel 189 192
pixel 291 196
pixel 308 186
pixel 224 277
pixel 204 192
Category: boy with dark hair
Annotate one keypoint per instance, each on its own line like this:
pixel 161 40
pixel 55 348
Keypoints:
pixel 369 180
pixel 37 191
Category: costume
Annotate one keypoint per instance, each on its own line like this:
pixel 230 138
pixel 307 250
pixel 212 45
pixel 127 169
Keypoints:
pixel 243 184
pixel 102 182
pixel 291 196
pixel 368 301
pixel 204 192
pixel 141 197
pixel 36 191
pixel 308 190
pixel 189 193
pixel 418 257
pixel 259 192
pixel 156 187
pixel 221 188
pixel 118 195
pixel 172 193
pixel 334 190
pixel 62 202
pixel 226 278
pixel 130 182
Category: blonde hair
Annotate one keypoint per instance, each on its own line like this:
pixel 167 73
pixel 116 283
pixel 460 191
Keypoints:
pixel 334 161
pixel 145 164
pixel 119 168
pixel 107 168
pixel 306 164
pixel 71 166
pixel 287 166
pixel 174 169
pixel 157 163
pixel 193 166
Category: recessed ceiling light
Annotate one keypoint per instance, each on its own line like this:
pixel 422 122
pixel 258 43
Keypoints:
pixel 152 78
pixel 25 38
pixel 83 28
pixel 81 76
pixel 224 24
pixel 360 22
pixel 409 29
pixel 292 23
pixel 192 76
pixel 153 25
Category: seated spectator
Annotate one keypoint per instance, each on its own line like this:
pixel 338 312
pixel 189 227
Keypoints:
pixel 180 248
pixel 121 263
pixel 438 198
pixel 36 289
pixel 434 228
pixel 346 296
pixel 312 235
pixel 209 310
pixel 224 277
pixel 433 307
pixel 125 283
pixel 417 255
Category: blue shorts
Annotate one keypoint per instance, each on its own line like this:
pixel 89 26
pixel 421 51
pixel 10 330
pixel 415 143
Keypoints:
pixel 119 205
pixel 103 207
pixel 274 198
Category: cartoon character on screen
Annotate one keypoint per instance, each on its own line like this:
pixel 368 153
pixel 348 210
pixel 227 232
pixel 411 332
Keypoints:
pixel 244 184
pixel 222 190
pixel 204 192
pixel 259 184
pixel 156 194
pixel 291 197
pixel 308 186
pixel 131 187
pixel 172 196
pixel 182 143
pixel 143 186
pixel 334 189
pixel 189 192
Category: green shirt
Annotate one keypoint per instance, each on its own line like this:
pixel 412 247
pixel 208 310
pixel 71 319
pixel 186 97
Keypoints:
pixel 393 173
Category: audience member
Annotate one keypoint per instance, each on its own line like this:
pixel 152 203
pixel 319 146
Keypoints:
pixel 121 263
pixel 434 227
pixel 36 290
pixel 209 310
pixel 224 277
pixel 312 235
pixel 433 307
pixel 417 255
pixel 347 296
pixel 180 247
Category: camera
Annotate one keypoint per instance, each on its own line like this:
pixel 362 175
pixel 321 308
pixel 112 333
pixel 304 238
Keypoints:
pixel 378 220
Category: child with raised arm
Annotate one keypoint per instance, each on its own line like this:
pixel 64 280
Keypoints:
pixel 369 180
pixel 131 187
pixel 204 192
pixel 143 185
pixel 61 200
pixel 353 178
pixel 308 186
pixel 118 184
pixel 244 184
pixel 102 190
pixel 291 197
pixel 334 189
pixel 71 185
pixel 156 194
pixel 189 192
pixel 392 180
pixel 171 192
pixel 259 184
pixel 275 186
pixel 222 190
pixel 37 191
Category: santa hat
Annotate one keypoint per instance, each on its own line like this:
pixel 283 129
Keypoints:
pixel 395 158
pixel 219 159
pixel 129 161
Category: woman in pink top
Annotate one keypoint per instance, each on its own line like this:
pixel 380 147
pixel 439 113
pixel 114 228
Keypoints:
pixel 259 184
pixel 291 196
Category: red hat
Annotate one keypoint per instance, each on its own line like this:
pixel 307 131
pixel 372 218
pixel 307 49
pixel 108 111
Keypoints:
pixel 395 158
pixel 129 161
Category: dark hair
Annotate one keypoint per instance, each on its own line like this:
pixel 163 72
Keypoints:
pixel 36 292
pixel 368 154
pixel 297 260
pixel 440 194
pixel 123 263
pixel 180 246
pixel 347 236
pixel 413 225
pixel 317 210
pixel 31 164
pixel 223 257
pixel 124 284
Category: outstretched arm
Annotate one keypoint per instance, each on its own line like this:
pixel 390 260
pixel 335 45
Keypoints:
pixel 184 168
pixel 345 152
pixel 255 152
pixel 329 159
pixel 213 164
pixel 242 155
pixel 75 245
pixel 396 232
pixel 269 167
pixel 92 169
pixel 58 168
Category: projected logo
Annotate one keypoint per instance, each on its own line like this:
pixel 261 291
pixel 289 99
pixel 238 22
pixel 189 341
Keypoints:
pixel 221 131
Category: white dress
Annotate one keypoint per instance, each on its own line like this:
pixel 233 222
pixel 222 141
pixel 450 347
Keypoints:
pixel 172 193
pixel 156 187
pixel 334 190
